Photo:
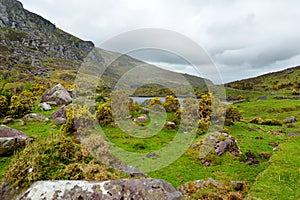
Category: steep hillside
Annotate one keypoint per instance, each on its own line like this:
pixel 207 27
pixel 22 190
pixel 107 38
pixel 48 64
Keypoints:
pixel 32 49
pixel 281 81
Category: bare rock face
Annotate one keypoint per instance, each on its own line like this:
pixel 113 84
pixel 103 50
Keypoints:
pixel 109 190
pixel 10 140
pixel 57 94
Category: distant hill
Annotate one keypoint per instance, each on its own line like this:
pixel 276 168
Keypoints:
pixel 282 81
pixel 38 51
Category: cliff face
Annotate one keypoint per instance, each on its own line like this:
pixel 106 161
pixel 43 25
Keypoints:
pixel 25 34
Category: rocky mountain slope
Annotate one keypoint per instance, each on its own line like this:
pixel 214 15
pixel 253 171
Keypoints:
pixel 38 51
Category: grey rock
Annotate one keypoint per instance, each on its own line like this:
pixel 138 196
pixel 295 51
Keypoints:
pixel 61 112
pixel 290 119
pixel 142 118
pixel 10 140
pixel 149 189
pixel 262 98
pixel 57 94
pixel 45 106
pixel 60 120
pixel 8 120
pixel 146 111
pixel 34 116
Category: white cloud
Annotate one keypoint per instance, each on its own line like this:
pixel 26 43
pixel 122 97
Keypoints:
pixel 244 38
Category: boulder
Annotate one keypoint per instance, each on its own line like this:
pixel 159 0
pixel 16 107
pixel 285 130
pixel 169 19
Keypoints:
pixel 61 112
pixel 289 120
pixel 60 120
pixel 45 106
pixel 151 189
pixel 35 116
pixel 217 143
pixel 10 140
pixel 58 94
pixel 142 118
pixel 171 125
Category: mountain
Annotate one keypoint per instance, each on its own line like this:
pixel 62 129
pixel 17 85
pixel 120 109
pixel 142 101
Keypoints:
pixel 282 81
pixel 38 51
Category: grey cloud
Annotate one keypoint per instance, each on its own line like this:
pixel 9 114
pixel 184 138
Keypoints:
pixel 248 37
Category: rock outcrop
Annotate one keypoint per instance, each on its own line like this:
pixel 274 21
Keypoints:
pixel 151 189
pixel 217 144
pixel 10 140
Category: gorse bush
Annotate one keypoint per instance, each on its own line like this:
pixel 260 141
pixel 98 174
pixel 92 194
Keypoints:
pixel 171 104
pixel 20 105
pixel 104 115
pixel 57 157
pixel 79 119
pixel 233 114
pixel 3 106
pixel 155 101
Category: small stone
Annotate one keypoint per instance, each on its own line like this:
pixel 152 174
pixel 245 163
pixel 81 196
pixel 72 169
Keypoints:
pixel 8 120
pixel 60 120
pixel 289 120
pixel 45 106
pixel 237 185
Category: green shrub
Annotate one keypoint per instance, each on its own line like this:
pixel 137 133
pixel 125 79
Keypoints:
pixel 272 122
pixel 100 99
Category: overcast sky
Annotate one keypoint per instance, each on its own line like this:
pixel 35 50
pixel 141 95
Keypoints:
pixel 244 38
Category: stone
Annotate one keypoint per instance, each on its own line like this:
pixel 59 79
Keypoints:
pixel 217 143
pixel 293 135
pixel 45 106
pixel 250 159
pixel 142 118
pixel 152 155
pixel 22 123
pixel 61 112
pixel 10 140
pixel 289 120
pixel 190 188
pixel 146 110
pixel 171 125
pixel 237 185
pixel 262 98
pixel 223 146
pixel 34 116
pixel 8 120
pixel 265 155
pixel 57 94
pixel 150 189
pixel 60 120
